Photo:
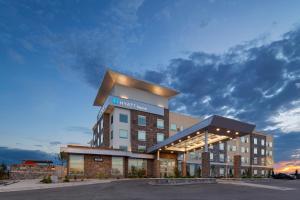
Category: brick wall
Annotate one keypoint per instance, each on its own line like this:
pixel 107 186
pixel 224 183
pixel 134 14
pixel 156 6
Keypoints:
pixel 150 128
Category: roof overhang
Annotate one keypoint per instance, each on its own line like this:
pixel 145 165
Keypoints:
pixel 219 129
pixel 111 78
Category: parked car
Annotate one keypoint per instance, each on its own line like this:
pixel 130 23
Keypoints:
pixel 283 176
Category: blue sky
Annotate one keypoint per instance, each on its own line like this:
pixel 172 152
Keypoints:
pixel 235 58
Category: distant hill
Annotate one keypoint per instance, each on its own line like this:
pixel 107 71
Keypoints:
pixel 14 156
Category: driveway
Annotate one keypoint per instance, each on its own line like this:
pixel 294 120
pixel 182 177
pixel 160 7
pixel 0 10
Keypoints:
pixel 134 189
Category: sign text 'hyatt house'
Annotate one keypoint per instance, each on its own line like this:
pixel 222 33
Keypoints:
pixel 130 104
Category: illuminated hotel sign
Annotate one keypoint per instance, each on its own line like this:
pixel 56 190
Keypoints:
pixel 130 104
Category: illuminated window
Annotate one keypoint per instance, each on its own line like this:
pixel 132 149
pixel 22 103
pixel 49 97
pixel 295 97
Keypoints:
pixel 117 166
pixel 141 120
pixel 263 142
pixel 160 123
pixel 262 152
pixel 211 156
pixel 160 137
pixel 142 135
pixel 76 163
pixel 123 118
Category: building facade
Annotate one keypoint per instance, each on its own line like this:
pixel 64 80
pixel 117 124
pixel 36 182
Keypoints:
pixel 136 134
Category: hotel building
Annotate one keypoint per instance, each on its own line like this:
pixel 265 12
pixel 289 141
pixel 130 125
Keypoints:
pixel 135 132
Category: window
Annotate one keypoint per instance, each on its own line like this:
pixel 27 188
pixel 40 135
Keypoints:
pixel 192 155
pixel 255 150
pixel 255 140
pixel 243 149
pixel 111 134
pixel 181 128
pixel 123 134
pixel 141 148
pixel 262 152
pixel 243 160
pixel 160 137
pixel 101 124
pixel 243 139
pixel 160 123
pixel 123 148
pixel 263 172
pixel 101 138
pixel 270 144
pixel 247 140
pixel 76 163
pixel 173 127
pixel 270 153
pixel 222 171
pixel 221 146
pixel 255 160
pixel 255 172
pixel 233 148
pixel 211 146
pixel 123 118
pixel 141 120
pixel 247 150
pixel 98 128
pixel 211 156
pixel 135 165
pixel 117 166
pixel 229 159
pixel 221 157
pixel 111 119
pixel 263 142
pixel 141 135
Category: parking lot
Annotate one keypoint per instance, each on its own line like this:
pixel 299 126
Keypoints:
pixel 133 189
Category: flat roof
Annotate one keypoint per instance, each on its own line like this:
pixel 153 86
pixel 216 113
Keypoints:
pixel 218 127
pixel 112 78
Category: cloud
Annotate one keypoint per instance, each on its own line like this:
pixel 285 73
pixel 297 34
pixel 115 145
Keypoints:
pixel 79 129
pixel 287 166
pixel 287 119
pixel 55 143
pixel 14 156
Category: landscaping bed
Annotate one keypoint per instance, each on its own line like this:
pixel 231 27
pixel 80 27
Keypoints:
pixel 181 181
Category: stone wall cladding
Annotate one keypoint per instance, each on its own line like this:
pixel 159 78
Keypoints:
pixel 150 128
pixel 94 169
pixel 106 135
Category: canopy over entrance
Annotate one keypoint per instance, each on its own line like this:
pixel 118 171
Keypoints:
pixel 218 129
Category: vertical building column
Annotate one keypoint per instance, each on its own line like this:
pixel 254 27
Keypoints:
pixel 183 165
pixel 237 160
pixel 205 172
pixel 237 166
pixel 156 165
pixel 126 167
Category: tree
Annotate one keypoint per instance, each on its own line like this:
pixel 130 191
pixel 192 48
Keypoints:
pixel 3 171
pixel 296 172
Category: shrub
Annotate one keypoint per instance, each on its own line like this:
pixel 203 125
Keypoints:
pixel 46 179
pixel 66 179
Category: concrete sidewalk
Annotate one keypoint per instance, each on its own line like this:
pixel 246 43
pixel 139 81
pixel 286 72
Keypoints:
pixel 35 184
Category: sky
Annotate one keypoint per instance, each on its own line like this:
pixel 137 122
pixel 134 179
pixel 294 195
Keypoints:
pixel 240 59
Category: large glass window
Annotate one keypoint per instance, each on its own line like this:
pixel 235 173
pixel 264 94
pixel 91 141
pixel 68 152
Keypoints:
pixel 160 123
pixel 221 171
pixel 137 167
pixel 160 137
pixel 142 135
pixel 123 133
pixel 76 164
pixel 123 118
pixel 173 127
pixel 167 167
pixel 141 120
pixel 117 166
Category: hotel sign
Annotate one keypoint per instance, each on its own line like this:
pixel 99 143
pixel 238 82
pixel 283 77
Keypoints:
pixel 130 104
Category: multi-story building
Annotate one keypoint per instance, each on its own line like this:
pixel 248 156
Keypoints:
pixel 135 130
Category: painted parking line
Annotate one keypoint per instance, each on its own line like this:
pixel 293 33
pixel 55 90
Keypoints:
pixel 256 185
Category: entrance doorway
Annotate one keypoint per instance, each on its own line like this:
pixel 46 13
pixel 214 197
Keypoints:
pixel 167 167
